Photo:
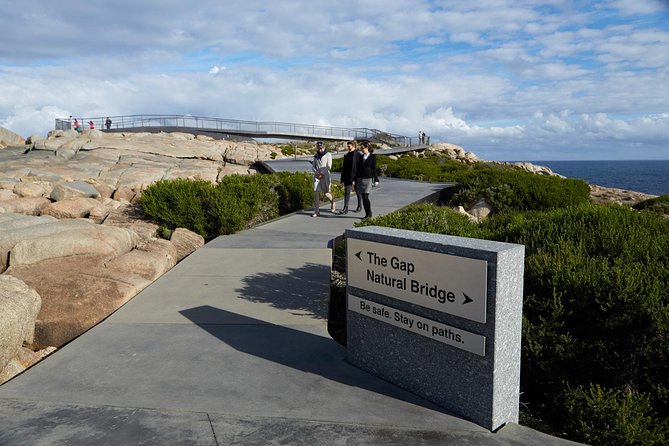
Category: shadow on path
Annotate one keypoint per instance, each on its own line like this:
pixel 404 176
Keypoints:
pixel 300 289
pixel 299 350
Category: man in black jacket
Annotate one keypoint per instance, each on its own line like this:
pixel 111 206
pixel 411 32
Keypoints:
pixel 348 175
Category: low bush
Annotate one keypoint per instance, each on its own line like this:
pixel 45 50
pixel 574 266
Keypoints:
pixel 428 218
pixel 595 362
pixel 236 203
pixel 337 164
pixel 505 188
pixel 295 191
pixel 659 205
pixel 612 416
pixel 178 203
pixel 435 167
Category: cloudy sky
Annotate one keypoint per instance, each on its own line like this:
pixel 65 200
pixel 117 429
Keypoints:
pixel 506 79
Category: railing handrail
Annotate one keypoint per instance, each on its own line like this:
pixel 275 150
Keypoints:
pixel 236 125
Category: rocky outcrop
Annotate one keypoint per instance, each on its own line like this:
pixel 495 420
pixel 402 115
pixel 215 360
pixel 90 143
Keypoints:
pixel 19 306
pixel 185 242
pixel 480 210
pixel 461 210
pixel 80 290
pixel 98 240
pixel 454 152
pixel 600 194
pixel 10 139
pixel 16 230
pixel 70 228
pixel 24 358
pixel 77 208
pixel 28 206
pixel 73 189
pixel 534 168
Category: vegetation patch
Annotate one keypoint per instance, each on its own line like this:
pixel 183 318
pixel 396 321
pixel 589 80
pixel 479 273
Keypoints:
pixel 236 203
pixel 658 205
pixel 504 188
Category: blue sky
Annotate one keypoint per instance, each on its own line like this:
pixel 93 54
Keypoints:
pixel 508 80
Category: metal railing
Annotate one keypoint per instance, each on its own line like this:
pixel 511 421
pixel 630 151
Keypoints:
pixel 241 127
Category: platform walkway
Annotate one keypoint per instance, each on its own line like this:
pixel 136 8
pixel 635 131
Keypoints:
pixel 230 347
pixel 224 128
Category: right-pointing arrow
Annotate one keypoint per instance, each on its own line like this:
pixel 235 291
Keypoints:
pixel 358 255
pixel 467 299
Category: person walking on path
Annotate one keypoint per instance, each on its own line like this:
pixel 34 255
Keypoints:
pixel 348 175
pixel 321 166
pixel 366 176
pixel 108 123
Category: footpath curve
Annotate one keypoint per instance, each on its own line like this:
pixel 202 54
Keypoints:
pixel 231 347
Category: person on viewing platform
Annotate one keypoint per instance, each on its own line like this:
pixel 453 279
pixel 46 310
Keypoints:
pixel 108 123
pixel 366 176
pixel 76 126
pixel 348 175
pixel 91 125
pixel 321 166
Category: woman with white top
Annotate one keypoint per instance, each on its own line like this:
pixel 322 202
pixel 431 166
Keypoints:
pixel 321 166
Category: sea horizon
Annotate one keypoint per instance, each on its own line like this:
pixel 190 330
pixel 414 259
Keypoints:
pixel 647 176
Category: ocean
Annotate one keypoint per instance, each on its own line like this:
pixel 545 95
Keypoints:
pixel 648 176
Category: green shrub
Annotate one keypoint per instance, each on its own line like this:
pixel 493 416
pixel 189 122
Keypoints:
pixel 164 233
pixel 659 204
pixel 436 167
pixel 427 218
pixel 287 150
pixel 596 300
pixel 295 191
pixel 236 203
pixel 243 201
pixel 505 188
pixel 508 189
pixel 178 203
pixel 337 164
pixel 606 417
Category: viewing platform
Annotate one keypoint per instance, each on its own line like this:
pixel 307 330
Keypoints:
pixel 219 128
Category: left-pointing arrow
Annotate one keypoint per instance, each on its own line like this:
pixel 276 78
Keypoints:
pixel 467 299
pixel 357 254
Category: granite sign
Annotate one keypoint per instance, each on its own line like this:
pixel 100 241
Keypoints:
pixel 439 316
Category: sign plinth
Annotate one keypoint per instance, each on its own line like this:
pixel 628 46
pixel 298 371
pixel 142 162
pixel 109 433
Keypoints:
pixel 440 316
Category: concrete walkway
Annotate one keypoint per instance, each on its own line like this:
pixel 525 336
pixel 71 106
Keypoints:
pixel 230 347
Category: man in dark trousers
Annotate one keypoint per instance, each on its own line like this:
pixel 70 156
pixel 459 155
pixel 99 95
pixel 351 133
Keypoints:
pixel 348 175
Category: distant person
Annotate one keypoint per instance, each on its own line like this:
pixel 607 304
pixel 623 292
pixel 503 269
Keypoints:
pixel 348 175
pixel 77 126
pixel 108 123
pixel 321 166
pixel 366 176
pixel 91 125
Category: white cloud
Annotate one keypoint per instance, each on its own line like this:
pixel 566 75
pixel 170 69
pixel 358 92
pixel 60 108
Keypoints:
pixel 496 76
pixel 216 70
